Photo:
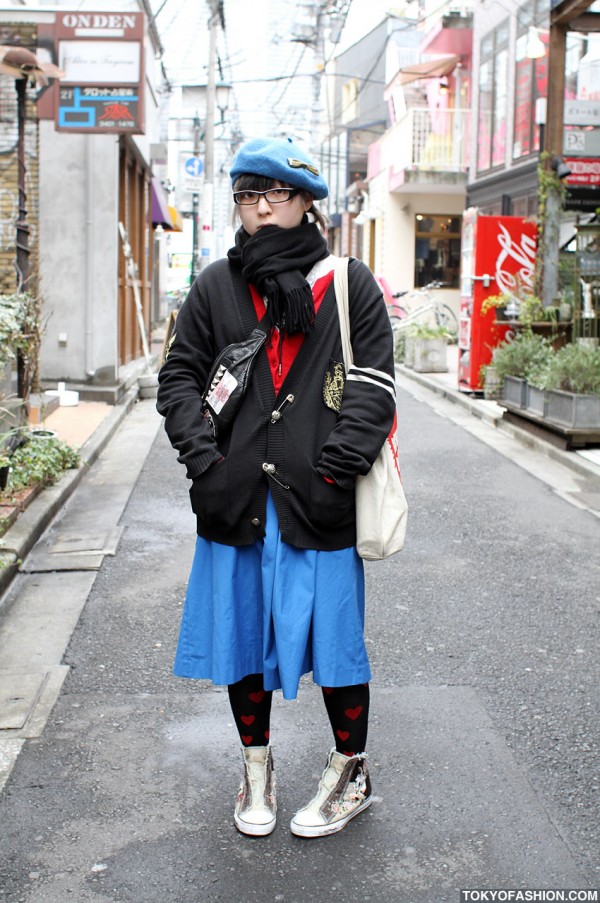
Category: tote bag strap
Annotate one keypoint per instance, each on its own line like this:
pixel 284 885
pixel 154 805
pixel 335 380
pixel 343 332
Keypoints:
pixel 340 284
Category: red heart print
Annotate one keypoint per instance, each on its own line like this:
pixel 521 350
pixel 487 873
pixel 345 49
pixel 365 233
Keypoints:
pixel 257 697
pixel 248 719
pixel 353 713
pixel 246 740
pixel 328 690
pixel 267 735
pixel 343 735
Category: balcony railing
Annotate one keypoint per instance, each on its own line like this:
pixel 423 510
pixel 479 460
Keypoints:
pixel 429 140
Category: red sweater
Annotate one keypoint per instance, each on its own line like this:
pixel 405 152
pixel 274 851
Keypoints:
pixel 282 352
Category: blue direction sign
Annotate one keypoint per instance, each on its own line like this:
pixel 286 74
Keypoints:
pixel 194 166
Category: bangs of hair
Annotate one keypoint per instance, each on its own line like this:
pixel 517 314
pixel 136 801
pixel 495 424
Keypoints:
pixel 250 182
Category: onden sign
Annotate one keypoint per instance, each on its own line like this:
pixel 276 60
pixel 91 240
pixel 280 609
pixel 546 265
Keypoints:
pixel 102 56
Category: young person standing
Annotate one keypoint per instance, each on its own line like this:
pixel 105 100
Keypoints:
pixel 277 588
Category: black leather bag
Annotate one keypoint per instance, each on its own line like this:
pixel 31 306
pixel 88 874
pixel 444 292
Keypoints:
pixel 228 381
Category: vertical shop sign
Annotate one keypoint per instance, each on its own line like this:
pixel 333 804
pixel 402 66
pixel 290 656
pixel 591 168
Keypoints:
pixel 102 57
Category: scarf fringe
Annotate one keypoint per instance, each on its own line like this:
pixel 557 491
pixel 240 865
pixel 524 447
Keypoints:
pixel 275 260
pixel 299 310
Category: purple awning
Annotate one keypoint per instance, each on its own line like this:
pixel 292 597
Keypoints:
pixel 160 206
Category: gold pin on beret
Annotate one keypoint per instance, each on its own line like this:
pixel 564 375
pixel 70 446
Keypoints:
pixel 300 164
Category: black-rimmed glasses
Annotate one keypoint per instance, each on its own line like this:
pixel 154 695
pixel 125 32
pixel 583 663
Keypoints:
pixel 272 196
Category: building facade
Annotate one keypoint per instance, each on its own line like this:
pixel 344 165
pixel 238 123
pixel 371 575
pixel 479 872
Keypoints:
pixel 404 196
pixel 90 190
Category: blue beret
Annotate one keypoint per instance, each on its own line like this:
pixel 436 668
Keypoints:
pixel 281 159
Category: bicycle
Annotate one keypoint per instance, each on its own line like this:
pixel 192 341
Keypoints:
pixel 402 317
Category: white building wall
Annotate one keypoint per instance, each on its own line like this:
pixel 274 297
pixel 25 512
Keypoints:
pixel 395 224
pixel 396 241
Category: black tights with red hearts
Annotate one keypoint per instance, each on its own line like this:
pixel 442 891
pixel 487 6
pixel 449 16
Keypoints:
pixel 347 709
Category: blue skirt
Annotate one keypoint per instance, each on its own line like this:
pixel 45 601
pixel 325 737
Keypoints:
pixel 275 610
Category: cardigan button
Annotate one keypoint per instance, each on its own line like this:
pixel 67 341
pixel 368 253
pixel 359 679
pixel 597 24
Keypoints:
pixel 255 521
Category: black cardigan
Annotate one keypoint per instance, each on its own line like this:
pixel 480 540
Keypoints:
pixel 289 455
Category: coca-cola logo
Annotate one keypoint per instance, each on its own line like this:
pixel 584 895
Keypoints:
pixel 515 263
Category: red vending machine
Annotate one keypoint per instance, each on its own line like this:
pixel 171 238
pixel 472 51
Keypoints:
pixel 497 256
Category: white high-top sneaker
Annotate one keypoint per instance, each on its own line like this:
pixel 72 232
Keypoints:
pixel 344 791
pixel 255 806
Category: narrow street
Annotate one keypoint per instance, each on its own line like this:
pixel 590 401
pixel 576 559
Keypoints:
pixel 484 740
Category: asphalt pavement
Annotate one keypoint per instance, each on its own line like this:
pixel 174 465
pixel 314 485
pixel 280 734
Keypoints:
pixel 118 780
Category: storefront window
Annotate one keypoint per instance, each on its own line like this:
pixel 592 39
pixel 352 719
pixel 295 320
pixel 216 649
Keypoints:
pixel 531 83
pixel 500 103
pixel 493 77
pixel 581 83
pixel 486 94
pixel 437 249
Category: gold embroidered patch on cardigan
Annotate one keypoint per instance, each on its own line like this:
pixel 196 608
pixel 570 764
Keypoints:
pixel 333 386
pixel 170 344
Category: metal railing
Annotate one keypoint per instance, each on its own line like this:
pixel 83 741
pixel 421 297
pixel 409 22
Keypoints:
pixel 429 140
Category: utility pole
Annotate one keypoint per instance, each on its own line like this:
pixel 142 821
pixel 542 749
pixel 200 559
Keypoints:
pixel 216 18
pixel 195 209
pixel 319 64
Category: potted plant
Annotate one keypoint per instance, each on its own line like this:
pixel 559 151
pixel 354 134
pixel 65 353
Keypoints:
pixel 526 312
pixel 20 338
pixel 491 382
pixel 430 349
pixel 572 383
pixel 514 361
pixel 504 305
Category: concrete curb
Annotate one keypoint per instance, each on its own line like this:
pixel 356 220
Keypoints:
pixel 18 541
pixel 494 415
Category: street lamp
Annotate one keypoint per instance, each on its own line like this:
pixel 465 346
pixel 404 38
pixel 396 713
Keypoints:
pixel 536 49
pixel 216 21
pixel 195 269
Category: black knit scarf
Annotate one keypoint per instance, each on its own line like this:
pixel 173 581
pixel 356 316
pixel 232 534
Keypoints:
pixel 277 261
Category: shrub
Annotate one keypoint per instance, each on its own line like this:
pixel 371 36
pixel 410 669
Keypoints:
pixel 20 337
pixel 525 355
pixel 399 345
pixel 40 461
pixel 424 331
pixel 574 368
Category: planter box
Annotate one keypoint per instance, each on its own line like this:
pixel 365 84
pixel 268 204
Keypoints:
pixel 409 351
pixel 431 356
pixel 514 391
pixel 574 411
pixel 492 387
pixel 535 400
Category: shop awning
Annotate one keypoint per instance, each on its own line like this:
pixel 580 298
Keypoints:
pixel 160 206
pixel 431 69
pixel 176 219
